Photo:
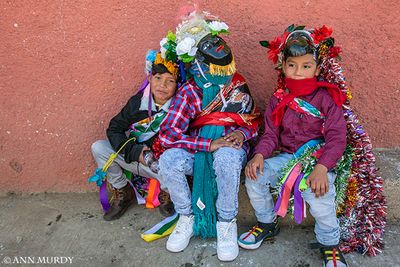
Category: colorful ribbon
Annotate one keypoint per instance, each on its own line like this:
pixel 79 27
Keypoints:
pixel 282 203
pixel 152 194
pixel 161 229
pixel 295 180
pixel 299 203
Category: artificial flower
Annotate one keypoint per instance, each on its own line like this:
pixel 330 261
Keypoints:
pixel 186 46
pixel 218 27
pixel 321 34
pixel 275 47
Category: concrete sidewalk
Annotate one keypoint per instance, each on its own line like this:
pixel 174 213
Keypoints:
pixel 71 225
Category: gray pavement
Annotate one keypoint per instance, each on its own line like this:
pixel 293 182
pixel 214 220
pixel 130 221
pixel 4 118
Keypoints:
pixel 71 225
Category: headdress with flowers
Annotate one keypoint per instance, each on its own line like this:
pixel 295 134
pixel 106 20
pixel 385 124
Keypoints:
pixel 361 206
pixel 321 37
pixel 168 57
pixel 326 52
pixel 192 29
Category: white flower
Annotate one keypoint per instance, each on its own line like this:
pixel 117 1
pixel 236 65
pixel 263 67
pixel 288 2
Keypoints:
pixel 187 45
pixel 218 26
pixel 192 51
pixel 163 42
pixel 163 51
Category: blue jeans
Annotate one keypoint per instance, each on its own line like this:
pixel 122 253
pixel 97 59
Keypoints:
pixel 176 163
pixel 323 209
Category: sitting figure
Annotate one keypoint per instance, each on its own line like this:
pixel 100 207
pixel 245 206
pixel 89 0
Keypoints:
pixel 206 133
pixel 141 118
pixel 323 153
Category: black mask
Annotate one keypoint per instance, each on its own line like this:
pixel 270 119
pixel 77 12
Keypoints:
pixel 213 49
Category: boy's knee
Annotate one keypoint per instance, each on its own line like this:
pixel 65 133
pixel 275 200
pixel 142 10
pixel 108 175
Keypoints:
pixel 254 184
pixel 320 206
pixel 228 158
pixel 250 183
pixel 172 159
pixel 268 178
pixel 98 147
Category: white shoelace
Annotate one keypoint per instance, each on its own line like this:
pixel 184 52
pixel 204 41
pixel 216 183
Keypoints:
pixel 227 232
pixel 182 225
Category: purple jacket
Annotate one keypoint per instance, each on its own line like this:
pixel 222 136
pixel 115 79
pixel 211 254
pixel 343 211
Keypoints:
pixel 296 129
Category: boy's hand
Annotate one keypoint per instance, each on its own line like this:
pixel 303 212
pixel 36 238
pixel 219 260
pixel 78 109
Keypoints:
pixel 236 137
pixel 256 163
pixel 220 142
pixel 141 158
pixel 318 180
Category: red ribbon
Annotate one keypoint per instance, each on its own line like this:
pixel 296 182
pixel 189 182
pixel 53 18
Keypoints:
pixel 224 119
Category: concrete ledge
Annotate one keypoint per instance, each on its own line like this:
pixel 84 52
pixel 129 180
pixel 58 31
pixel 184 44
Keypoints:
pixel 388 161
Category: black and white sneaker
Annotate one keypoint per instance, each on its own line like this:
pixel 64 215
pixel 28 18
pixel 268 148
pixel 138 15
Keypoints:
pixel 332 257
pixel 253 239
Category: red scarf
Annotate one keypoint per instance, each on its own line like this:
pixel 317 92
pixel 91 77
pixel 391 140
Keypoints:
pixel 302 88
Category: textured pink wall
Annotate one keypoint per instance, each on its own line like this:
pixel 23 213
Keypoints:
pixel 68 66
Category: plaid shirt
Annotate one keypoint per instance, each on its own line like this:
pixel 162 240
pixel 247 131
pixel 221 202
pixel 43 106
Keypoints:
pixel 175 130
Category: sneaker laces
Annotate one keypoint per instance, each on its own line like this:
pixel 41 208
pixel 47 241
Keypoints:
pixel 254 231
pixel 182 224
pixel 227 232
pixel 333 254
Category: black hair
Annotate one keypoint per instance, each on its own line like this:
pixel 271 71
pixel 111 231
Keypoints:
pixel 159 68
pixel 299 44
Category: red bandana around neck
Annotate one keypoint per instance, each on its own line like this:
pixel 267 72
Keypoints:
pixel 302 88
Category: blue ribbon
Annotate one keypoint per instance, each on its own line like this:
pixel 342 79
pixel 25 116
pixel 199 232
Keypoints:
pixel 98 177
pixel 310 144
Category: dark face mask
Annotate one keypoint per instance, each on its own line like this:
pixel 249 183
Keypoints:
pixel 213 49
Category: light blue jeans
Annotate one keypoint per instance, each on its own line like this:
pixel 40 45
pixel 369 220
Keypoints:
pixel 101 150
pixel 176 163
pixel 323 209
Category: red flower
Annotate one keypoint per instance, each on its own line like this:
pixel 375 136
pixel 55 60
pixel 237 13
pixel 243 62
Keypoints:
pixel 321 34
pixel 334 51
pixel 275 47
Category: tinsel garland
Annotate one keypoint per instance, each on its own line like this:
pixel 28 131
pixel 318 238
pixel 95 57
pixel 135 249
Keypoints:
pixel 364 220
pixel 343 171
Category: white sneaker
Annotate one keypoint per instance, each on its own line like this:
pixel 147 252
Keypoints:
pixel 227 246
pixel 180 236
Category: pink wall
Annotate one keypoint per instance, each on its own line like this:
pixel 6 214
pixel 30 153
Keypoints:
pixel 68 66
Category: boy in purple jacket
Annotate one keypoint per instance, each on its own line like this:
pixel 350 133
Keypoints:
pixel 303 110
